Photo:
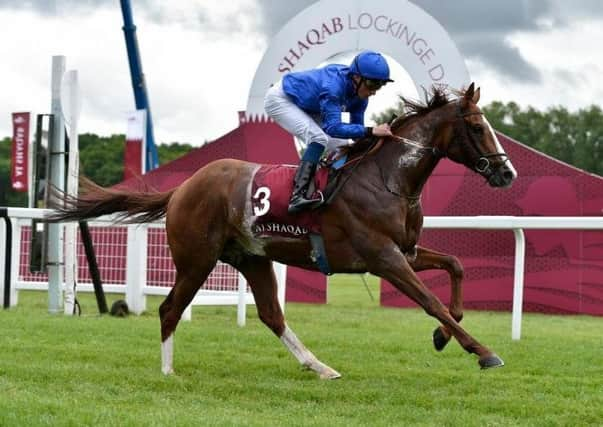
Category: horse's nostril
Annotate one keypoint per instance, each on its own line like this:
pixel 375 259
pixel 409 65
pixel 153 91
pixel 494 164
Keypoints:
pixel 508 176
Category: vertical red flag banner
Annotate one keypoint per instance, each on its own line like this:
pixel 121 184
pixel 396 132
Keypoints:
pixel 135 144
pixel 19 153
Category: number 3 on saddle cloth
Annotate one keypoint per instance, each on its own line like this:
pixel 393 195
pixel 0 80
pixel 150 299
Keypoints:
pixel 270 193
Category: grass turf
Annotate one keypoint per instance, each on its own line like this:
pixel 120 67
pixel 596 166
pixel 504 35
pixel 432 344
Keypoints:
pixel 94 370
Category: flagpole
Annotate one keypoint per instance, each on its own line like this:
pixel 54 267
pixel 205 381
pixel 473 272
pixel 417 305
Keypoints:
pixel 138 83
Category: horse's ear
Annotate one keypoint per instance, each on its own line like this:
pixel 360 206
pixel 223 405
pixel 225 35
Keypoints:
pixel 469 92
pixel 475 98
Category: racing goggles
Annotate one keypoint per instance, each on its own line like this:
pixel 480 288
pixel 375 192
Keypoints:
pixel 372 84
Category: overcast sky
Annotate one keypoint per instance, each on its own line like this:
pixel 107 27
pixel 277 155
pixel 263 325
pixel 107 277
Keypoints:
pixel 199 56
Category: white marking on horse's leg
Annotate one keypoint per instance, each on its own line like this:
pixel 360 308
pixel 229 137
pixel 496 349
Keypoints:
pixel 305 356
pixel 167 355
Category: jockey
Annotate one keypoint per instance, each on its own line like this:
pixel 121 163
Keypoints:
pixel 308 104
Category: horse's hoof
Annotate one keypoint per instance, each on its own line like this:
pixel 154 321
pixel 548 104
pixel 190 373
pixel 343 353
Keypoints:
pixel 330 375
pixel 167 371
pixel 324 372
pixel 492 361
pixel 440 339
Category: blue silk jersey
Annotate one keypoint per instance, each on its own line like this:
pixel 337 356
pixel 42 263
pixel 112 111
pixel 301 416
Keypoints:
pixel 328 91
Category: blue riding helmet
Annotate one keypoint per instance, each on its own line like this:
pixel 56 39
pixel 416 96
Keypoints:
pixel 370 65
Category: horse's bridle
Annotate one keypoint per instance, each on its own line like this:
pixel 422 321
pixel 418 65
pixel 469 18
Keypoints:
pixel 483 162
pixel 482 165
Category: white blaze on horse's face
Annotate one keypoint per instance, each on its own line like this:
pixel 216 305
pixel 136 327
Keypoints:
pixel 480 149
pixel 510 171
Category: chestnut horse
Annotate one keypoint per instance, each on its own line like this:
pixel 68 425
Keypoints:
pixel 372 225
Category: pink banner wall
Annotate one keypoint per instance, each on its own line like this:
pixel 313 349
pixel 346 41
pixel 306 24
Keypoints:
pixel 564 269
pixel 258 141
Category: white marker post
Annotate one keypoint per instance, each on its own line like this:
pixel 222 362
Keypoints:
pixel 56 156
pixel 71 106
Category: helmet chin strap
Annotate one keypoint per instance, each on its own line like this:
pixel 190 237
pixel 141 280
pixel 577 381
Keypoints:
pixel 357 84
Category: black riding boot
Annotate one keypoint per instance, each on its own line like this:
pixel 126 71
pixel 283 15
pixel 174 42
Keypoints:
pixel 303 177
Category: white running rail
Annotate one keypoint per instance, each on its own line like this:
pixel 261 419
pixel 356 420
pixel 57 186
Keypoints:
pixel 516 224
pixel 225 286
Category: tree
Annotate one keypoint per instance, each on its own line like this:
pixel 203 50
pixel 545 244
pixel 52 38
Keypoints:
pixel 572 137
pixel 169 152
pixel 102 158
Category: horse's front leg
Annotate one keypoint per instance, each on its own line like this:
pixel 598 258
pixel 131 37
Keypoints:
pixel 390 264
pixel 427 259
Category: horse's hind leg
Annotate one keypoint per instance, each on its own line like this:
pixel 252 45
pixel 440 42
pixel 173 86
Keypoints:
pixel 171 310
pixel 194 261
pixel 428 259
pixel 259 273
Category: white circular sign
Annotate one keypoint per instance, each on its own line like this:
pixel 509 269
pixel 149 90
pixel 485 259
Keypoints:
pixel 400 29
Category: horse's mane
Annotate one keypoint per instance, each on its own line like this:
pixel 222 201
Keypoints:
pixel 412 108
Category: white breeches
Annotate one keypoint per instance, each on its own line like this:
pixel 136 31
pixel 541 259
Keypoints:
pixel 296 121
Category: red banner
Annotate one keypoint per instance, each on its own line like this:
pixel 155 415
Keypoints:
pixel 135 144
pixel 19 154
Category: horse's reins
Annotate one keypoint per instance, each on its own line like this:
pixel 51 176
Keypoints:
pixel 437 152
pixel 354 162
pixel 373 148
pixel 376 146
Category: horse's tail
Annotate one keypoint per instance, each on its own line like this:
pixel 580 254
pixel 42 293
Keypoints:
pixel 95 201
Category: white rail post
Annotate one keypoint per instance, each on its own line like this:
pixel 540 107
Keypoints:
pixel 14 264
pixel 136 268
pixel 242 301
pixel 520 255
pixel 3 250
pixel 70 268
pixel 187 314
pixel 15 261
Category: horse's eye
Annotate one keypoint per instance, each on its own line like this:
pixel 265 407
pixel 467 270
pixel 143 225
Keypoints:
pixel 477 128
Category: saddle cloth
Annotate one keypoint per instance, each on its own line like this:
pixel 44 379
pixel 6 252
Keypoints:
pixel 270 193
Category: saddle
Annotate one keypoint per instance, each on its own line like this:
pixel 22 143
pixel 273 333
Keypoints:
pixel 271 189
pixel 270 192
